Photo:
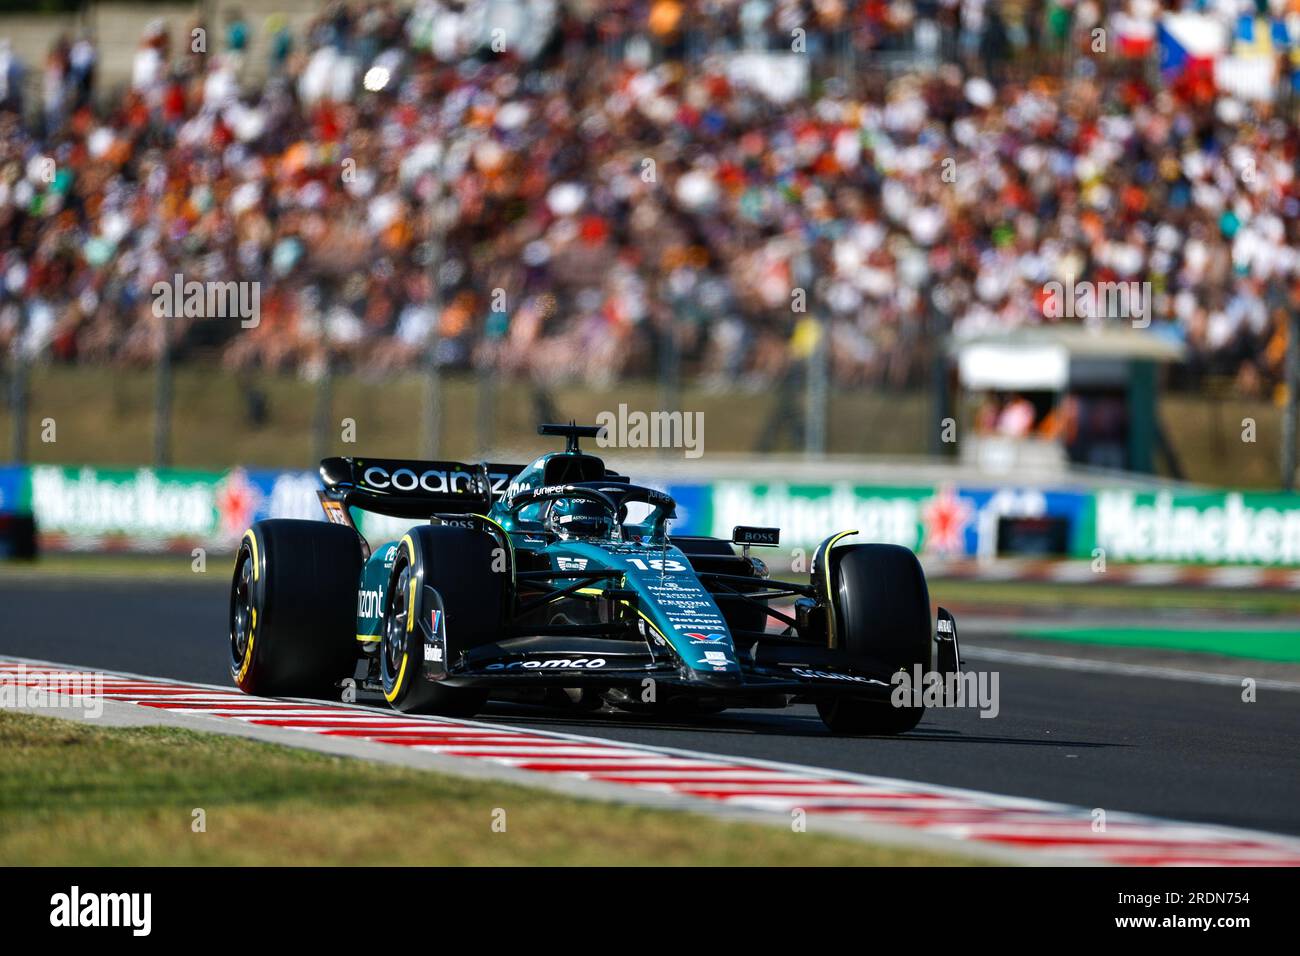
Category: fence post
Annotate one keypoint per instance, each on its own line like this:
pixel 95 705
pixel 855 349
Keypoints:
pixel 670 377
pixel 817 397
pixel 162 404
pixel 18 391
pixel 485 414
pixel 432 390
pixel 320 425
pixel 1292 399
pixel 432 418
pixel 936 331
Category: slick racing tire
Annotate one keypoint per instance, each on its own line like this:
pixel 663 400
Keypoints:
pixel 447 569
pixel 882 612
pixel 293 608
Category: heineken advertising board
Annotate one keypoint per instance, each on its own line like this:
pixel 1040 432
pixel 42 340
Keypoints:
pixel 146 509
pixel 946 520
pixel 1206 528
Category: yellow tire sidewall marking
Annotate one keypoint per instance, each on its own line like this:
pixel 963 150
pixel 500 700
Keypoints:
pixel 251 538
pixel 830 599
pixel 391 696
pixel 252 543
pixel 248 651
pixel 410 599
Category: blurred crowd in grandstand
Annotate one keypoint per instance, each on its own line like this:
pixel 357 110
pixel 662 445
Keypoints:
pixel 628 174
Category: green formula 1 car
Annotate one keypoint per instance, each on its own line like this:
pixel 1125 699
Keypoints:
pixel 558 582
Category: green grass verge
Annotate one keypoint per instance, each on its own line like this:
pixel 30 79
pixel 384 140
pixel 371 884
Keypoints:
pixel 73 794
pixel 1263 645
pixel 1042 595
pixel 130 567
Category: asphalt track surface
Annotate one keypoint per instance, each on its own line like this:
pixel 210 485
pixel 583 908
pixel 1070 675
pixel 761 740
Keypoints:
pixel 1180 749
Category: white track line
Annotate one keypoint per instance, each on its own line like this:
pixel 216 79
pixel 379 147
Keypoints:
pixel 1033 659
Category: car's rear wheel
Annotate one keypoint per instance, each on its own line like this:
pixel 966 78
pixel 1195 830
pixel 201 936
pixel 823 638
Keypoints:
pixel 449 578
pixel 882 615
pixel 293 608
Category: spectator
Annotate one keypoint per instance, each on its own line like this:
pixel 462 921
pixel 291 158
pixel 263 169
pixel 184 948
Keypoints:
pixel 574 204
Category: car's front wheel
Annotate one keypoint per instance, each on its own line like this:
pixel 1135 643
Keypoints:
pixel 881 614
pixel 444 595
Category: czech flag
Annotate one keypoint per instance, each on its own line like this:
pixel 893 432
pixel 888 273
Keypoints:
pixel 1189 44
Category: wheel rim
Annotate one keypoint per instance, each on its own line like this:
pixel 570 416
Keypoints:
pixel 395 623
pixel 241 607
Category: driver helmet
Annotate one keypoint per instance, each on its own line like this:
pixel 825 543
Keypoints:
pixel 578 518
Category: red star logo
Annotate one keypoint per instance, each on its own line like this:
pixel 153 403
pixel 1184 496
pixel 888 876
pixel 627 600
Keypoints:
pixel 236 501
pixel 946 516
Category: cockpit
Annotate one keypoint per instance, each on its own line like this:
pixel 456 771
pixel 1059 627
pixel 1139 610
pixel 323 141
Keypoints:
pixel 602 510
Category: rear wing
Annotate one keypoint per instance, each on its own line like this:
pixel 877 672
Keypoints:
pixel 403 488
